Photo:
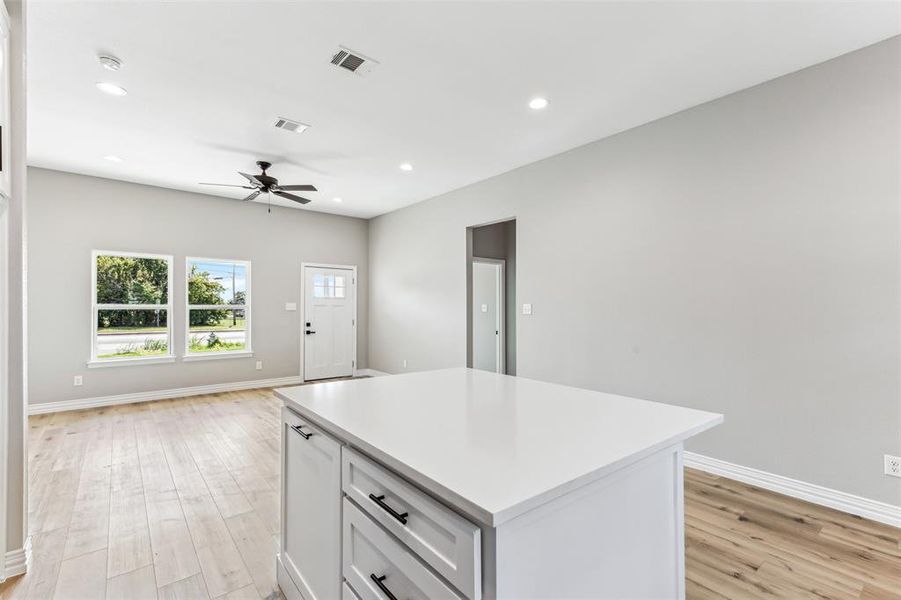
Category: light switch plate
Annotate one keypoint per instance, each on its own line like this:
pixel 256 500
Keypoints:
pixel 527 309
pixel 484 308
pixel 290 305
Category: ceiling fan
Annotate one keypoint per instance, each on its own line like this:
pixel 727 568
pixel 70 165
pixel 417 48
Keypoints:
pixel 264 183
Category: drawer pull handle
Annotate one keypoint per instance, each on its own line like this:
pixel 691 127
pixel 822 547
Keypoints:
pixel 380 500
pixel 378 581
pixel 298 429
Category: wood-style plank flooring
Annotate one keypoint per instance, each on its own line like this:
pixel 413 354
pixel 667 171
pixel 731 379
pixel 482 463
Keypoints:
pixel 167 499
pixel 179 499
pixel 744 542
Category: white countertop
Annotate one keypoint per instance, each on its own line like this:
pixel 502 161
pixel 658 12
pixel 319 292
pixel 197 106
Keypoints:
pixel 493 445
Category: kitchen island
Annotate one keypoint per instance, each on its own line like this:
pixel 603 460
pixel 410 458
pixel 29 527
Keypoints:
pixel 467 484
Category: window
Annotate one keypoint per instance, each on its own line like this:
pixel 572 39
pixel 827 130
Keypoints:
pixel 328 286
pixel 218 308
pixel 131 307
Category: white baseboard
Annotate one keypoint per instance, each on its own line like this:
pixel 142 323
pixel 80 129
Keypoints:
pixel 51 407
pixel 849 503
pixel 16 562
pixel 368 373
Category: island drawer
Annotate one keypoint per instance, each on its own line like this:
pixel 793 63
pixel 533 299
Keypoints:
pixel 446 541
pixel 378 567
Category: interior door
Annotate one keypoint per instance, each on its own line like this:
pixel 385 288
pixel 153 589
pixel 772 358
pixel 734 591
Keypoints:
pixel 488 315
pixel 329 328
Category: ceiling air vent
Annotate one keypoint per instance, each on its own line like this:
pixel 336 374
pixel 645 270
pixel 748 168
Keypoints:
pixel 289 125
pixel 353 61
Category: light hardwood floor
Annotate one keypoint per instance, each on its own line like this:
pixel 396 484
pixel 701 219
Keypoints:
pixel 744 542
pixel 179 499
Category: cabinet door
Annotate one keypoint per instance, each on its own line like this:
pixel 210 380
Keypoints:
pixel 311 508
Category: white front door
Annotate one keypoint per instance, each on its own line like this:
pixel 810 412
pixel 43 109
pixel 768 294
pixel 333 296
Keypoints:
pixel 329 328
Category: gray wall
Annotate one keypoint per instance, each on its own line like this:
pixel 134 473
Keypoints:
pixel 741 257
pixel 498 240
pixel 72 214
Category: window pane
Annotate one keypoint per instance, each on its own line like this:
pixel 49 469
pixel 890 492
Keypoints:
pixel 128 280
pixel 217 331
pixel 216 283
pixel 319 291
pixel 131 333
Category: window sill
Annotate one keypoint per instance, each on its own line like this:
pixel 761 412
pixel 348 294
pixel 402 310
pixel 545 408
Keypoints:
pixel 129 362
pixel 217 356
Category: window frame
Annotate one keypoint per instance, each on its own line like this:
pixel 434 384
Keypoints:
pixel 97 307
pixel 246 307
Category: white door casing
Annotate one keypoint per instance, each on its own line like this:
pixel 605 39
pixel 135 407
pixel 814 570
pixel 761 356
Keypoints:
pixel 4 382
pixel 488 335
pixel 328 322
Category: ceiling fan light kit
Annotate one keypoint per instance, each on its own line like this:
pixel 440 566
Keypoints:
pixel 265 183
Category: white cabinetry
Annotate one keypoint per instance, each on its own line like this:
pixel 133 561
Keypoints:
pixel 464 485
pixel 310 556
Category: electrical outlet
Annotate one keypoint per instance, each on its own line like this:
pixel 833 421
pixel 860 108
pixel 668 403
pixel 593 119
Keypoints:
pixel 77 381
pixel 892 465
pixel 259 365
pixel 405 363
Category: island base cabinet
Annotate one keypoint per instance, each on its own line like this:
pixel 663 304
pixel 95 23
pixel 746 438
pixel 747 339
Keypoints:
pixel 620 537
pixel 309 561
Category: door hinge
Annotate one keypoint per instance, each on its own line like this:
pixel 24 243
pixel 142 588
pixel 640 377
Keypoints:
pixel 353 363
pixel 353 322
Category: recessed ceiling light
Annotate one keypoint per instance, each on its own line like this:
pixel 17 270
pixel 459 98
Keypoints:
pixel 406 167
pixel 111 88
pixel 538 103
pixel 110 62
pixel 336 200
pixel 113 158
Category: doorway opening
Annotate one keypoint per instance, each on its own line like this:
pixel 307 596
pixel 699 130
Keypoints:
pixel 491 297
pixel 328 321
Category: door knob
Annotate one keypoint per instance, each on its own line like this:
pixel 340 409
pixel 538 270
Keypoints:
pixel 308 332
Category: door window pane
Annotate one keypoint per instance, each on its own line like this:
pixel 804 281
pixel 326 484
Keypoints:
pixel 328 286
pixel 131 333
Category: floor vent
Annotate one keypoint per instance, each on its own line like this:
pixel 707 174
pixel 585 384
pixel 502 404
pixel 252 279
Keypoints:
pixel 289 125
pixel 353 61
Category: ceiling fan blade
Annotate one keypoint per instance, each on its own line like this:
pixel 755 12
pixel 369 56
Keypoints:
pixel 298 188
pixel 252 196
pixel 252 179
pixel 246 187
pixel 292 197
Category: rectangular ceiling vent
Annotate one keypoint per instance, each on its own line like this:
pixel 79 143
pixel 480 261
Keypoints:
pixel 353 61
pixel 292 126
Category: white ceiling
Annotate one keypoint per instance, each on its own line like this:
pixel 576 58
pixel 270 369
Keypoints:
pixel 207 80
